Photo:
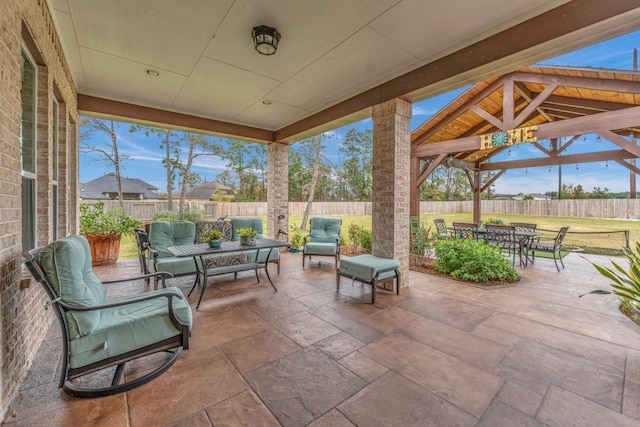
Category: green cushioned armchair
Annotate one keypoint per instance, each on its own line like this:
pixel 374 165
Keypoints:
pixel 253 255
pixel 323 239
pixel 163 234
pixel 97 333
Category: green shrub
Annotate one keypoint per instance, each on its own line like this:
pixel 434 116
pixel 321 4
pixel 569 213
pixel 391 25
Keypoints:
pixel 178 216
pixel 359 237
pixel 365 240
pixel 94 220
pixel 473 261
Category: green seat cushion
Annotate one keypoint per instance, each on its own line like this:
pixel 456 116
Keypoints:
pixel 318 248
pixel 365 267
pixel 67 265
pixel 126 328
pixel 324 230
pixel 163 234
pixel 254 255
pixel 174 265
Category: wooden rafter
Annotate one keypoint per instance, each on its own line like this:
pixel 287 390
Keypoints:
pixel 534 105
pixel 597 156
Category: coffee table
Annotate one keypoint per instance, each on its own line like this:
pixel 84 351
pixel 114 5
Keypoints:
pixel 201 250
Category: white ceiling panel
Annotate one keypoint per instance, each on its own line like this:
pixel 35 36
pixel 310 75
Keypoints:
pixel 163 33
pixel 372 58
pixel 309 29
pixel 105 80
pixel 459 23
pixel 221 89
pixel 64 28
pixel 272 117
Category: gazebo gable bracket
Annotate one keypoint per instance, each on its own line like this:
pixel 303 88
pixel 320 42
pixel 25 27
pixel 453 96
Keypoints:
pixel 429 165
pixel 445 159
pixel 529 97
pixel 626 145
pixel 632 168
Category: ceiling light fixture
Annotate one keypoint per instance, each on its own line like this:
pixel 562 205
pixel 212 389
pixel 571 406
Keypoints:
pixel 151 72
pixel 265 39
pixel 266 102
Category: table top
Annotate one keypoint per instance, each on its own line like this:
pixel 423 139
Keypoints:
pixel 198 249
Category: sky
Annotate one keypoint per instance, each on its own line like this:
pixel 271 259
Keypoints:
pixel 145 157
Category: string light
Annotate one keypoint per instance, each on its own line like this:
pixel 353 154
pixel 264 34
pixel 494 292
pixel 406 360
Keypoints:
pixel 606 164
pixel 598 139
pixel 509 152
pixel 549 169
pixel 577 167
pixel 526 170
pixel 584 139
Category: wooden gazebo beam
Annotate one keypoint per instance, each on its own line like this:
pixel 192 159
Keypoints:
pixel 597 156
pixel 629 117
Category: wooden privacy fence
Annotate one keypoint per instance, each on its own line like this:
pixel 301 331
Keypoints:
pixel 589 208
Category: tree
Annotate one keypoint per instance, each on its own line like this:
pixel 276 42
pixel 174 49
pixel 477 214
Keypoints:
pixel 198 145
pixel 245 170
pixel 356 174
pixel 171 146
pixel 311 150
pixel 89 126
pixel 599 193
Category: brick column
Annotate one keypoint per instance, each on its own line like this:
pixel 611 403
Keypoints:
pixel 277 190
pixel 391 172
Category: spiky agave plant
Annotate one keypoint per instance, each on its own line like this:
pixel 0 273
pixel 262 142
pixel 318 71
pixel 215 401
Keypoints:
pixel 626 284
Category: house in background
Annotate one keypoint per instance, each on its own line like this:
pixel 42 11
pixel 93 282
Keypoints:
pixel 210 191
pixel 533 196
pixel 106 188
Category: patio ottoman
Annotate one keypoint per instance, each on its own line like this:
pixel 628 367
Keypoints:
pixel 369 269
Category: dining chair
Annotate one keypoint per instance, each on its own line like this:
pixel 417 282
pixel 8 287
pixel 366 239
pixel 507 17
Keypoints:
pixel 441 229
pixel 552 246
pixel 504 237
pixel 465 230
pixel 525 241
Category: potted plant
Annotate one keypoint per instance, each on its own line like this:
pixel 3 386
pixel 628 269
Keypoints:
pixel 247 236
pixel 296 239
pixel 104 231
pixel 213 238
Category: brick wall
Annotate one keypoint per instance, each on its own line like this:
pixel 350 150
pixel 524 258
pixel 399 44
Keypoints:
pixel 23 320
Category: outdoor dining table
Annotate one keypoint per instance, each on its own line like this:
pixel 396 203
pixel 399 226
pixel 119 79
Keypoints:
pixel 199 251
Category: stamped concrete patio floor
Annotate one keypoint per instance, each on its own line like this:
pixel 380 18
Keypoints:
pixel 440 353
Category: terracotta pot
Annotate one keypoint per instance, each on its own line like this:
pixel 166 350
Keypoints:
pixel 104 248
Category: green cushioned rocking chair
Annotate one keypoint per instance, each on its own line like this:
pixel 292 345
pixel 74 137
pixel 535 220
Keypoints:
pixel 97 333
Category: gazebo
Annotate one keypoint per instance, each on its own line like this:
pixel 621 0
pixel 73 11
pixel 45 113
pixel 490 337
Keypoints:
pixel 528 106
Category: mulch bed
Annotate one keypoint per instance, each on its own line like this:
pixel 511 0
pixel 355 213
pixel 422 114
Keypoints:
pixel 426 265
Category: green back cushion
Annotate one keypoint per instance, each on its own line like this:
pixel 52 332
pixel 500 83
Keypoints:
pixel 255 223
pixel 67 264
pixel 163 234
pixel 324 230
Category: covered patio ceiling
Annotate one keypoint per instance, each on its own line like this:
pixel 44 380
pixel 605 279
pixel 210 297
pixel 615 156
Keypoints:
pixel 336 59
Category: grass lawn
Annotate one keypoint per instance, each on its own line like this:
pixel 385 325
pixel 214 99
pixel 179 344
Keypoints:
pixel 590 242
